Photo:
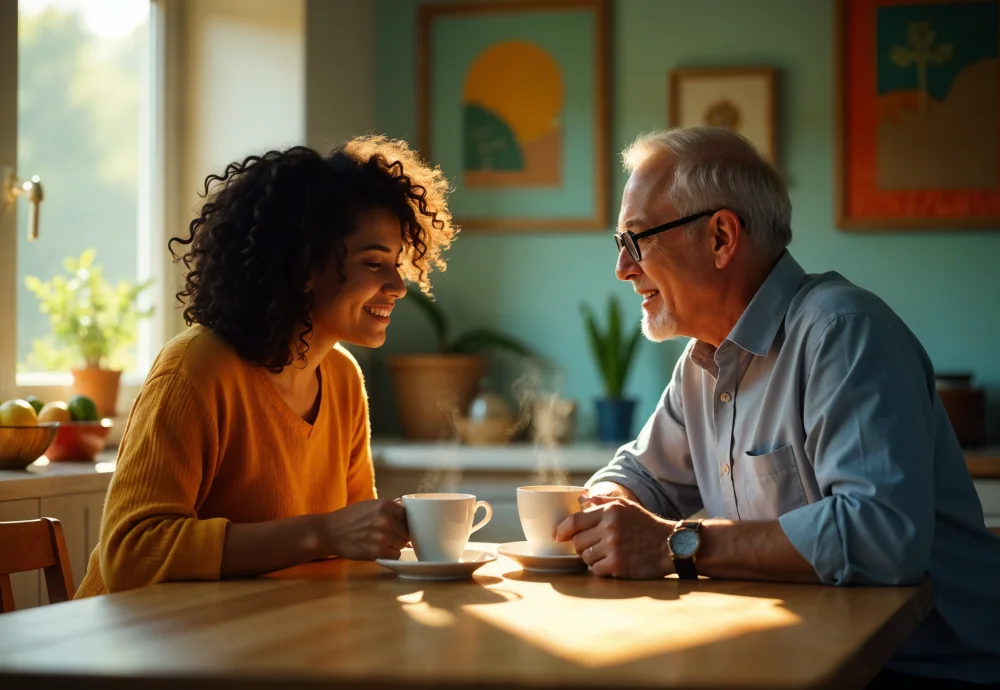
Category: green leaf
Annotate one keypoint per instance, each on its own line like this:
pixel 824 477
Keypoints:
pixel 33 284
pixel 627 356
pixel 598 345
pixel 438 319
pixel 613 350
pixel 614 346
pixel 91 321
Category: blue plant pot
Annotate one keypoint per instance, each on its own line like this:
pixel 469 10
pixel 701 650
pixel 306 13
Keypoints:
pixel 614 419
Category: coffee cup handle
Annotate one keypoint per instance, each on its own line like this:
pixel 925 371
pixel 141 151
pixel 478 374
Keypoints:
pixel 489 515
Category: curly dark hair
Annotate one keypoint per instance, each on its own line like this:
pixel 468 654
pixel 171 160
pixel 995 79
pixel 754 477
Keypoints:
pixel 271 221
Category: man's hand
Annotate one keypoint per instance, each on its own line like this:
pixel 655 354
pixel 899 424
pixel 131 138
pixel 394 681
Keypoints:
pixel 617 537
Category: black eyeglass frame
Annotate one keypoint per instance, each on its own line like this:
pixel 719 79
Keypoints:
pixel 629 239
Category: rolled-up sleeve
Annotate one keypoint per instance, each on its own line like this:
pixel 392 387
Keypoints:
pixel 869 416
pixel 657 466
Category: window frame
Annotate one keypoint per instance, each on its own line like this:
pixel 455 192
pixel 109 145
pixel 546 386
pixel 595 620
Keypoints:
pixel 152 258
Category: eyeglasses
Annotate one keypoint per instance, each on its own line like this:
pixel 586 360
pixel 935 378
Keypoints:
pixel 629 239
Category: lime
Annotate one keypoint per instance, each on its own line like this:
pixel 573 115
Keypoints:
pixel 35 402
pixel 17 413
pixel 57 411
pixel 83 409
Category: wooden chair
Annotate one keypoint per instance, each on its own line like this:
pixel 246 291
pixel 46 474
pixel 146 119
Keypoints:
pixel 995 530
pixel 34 545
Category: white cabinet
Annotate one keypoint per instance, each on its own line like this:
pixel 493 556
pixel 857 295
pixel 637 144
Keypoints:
pixel 25 585
pixel 989 495
pixel 80 515
pixel 71 492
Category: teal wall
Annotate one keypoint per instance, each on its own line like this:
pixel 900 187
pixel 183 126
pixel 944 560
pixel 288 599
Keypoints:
pixel 945 285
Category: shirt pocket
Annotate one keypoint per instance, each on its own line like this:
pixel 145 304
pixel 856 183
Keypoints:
pixel 771 484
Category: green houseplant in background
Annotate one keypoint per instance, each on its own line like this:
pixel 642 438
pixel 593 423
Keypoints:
pixel 431 388
pixel 93 325
pixel 613 350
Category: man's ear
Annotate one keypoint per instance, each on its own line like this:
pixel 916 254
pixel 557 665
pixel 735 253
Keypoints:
pixel 727 233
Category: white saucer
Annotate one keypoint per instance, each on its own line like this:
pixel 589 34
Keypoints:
pixel 521 552
pixel 409 568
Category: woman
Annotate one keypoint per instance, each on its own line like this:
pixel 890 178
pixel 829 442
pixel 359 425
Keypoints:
pixel 247 450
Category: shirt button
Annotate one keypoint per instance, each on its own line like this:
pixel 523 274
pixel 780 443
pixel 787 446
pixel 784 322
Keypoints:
pixel 725 397
pixel 725 469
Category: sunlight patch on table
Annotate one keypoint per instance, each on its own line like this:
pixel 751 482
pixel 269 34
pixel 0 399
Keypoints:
pixel 422 612
pixel 601 632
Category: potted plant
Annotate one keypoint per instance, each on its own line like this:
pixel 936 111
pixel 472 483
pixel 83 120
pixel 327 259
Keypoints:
pixel 93 324
pixel 432 389
pixel 613 351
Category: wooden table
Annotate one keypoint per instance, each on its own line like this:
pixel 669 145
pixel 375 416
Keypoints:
pixel 347 624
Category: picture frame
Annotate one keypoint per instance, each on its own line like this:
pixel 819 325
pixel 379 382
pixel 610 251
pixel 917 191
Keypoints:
pixel 513 103
pixel 917 115
pixel 743 99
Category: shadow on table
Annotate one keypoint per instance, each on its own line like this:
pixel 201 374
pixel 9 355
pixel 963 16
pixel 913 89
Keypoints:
pixel 586 585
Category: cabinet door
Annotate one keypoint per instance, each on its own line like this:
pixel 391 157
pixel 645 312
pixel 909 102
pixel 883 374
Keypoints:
pixel 989 495
pixel 95 508
pixel 25 585
pixel 71 511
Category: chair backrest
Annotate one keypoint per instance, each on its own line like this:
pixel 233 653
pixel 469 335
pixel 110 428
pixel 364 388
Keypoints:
pixel 34 545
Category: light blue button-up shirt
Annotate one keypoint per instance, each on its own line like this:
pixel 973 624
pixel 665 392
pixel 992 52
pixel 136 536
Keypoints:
pixel 819 411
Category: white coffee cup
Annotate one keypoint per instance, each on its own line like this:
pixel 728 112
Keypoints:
pixel 440 524
pixel 541 509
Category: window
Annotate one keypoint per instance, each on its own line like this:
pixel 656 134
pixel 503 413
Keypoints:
pixel 86 125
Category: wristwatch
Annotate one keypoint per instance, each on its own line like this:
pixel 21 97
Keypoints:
pixel 683 544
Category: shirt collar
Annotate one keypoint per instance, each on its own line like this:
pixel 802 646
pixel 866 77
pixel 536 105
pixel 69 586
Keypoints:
pixel 758 325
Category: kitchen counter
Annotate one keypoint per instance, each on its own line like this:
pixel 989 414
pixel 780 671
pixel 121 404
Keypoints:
pixel 983 463
pixel 491 473
pixel 46 479
pixel 43 478
pixel 514 457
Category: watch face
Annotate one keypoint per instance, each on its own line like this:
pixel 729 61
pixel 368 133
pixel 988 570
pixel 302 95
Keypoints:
pixel 684 543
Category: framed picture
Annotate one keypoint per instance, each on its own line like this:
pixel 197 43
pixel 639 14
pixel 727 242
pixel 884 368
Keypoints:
pixel 513 104
pixel 918 124
pixel 741 99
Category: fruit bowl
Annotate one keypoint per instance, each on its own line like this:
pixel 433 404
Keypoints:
pixel 22 445
pixel 79 441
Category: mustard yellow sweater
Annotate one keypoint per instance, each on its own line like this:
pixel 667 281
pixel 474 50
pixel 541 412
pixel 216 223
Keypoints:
pixel 210 441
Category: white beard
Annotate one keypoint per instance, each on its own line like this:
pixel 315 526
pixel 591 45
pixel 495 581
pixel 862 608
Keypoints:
pixel 659 326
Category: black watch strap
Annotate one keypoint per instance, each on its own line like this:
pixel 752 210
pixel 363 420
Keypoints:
pixel 685 566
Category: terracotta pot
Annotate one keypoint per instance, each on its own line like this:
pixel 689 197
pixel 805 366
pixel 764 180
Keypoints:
pixel 100 385
pixel 431 390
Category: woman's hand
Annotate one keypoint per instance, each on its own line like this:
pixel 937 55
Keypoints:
pixel 367 530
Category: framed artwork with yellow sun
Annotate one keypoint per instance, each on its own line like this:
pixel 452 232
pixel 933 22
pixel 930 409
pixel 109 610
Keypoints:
pixel 737 98
pixel 513 104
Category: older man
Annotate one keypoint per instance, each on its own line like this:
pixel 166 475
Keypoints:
pixel 803 416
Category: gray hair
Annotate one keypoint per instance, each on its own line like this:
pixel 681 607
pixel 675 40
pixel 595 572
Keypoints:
pixel 718 168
